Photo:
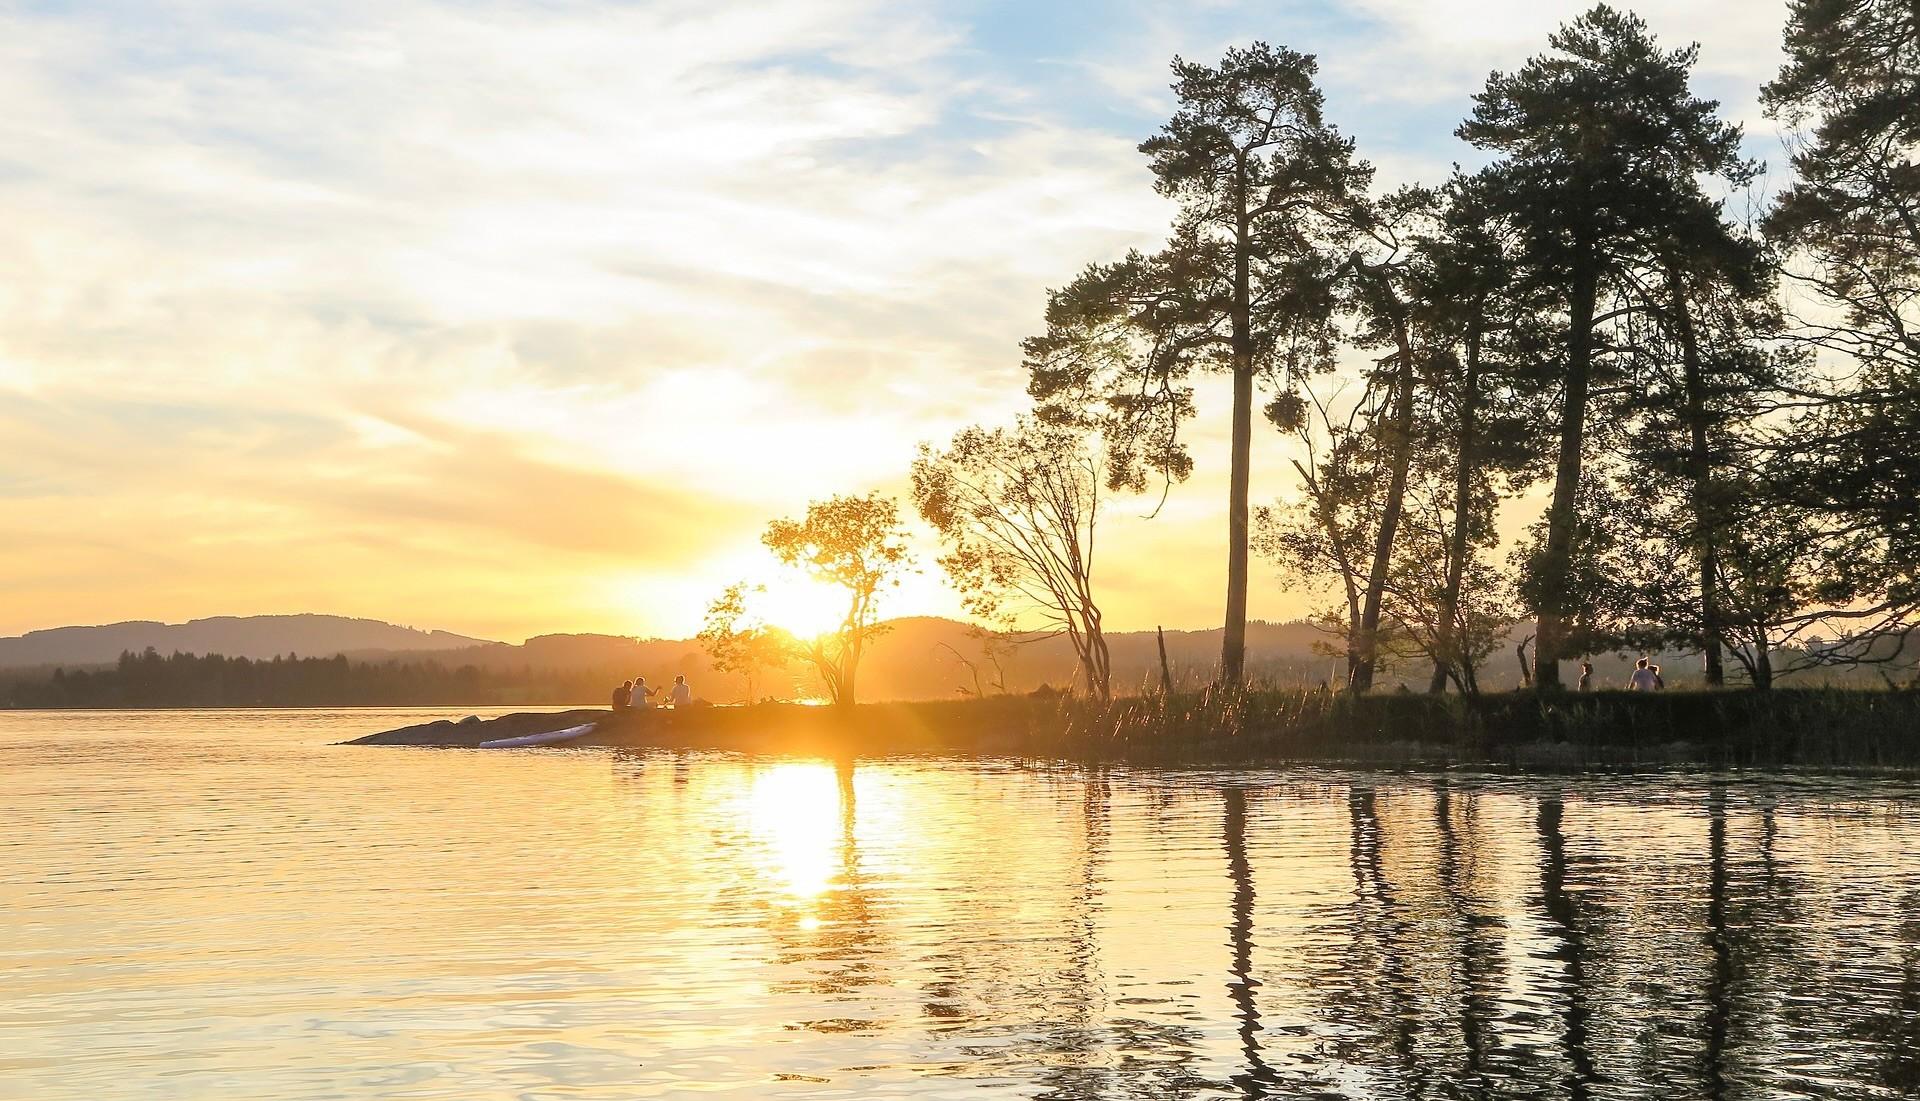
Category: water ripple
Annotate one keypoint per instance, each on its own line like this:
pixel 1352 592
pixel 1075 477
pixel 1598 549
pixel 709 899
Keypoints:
pixel 220 904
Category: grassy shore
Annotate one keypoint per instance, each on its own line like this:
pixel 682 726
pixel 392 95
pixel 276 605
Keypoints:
pixel 1820 728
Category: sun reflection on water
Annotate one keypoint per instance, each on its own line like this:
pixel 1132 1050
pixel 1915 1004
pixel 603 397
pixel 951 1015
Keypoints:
pixel 795 812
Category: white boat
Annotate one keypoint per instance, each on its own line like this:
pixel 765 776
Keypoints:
pixel 547 738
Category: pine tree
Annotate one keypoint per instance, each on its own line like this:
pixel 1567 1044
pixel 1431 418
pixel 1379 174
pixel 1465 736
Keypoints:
pixel 1603 146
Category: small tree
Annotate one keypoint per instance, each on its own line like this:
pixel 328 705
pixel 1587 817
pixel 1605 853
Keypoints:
pixel 1323 534
pixel 1016 510
pixel 1771 571
pixel 856 544
pixel 1619 590
pixel 994 648
pixel 737 641
pixel 1448 603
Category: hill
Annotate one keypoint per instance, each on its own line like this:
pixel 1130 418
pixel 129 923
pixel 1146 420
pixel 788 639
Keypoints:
pixel 235 636
pixel 917 658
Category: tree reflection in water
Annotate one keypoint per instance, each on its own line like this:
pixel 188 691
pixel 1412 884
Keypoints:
pixel 1415 1002
pixel 1378 938
pixel 1090 1055
pixel 1720 979
pixel 1563 910
pixel 1476 934
pixel 1258 1077
pixel 1384 990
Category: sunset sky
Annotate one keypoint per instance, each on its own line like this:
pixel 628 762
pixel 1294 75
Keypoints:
pixel 517 318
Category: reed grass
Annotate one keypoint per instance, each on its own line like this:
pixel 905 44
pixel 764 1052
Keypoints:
pixel 1833 728
pixel 1820 727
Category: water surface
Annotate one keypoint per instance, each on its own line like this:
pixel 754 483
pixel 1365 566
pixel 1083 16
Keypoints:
pixel 222 905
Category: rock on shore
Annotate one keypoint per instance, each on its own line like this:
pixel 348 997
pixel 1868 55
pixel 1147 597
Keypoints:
pixel 447 732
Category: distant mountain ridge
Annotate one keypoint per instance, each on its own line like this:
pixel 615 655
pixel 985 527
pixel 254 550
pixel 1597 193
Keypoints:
pixel 261 636
pixel 917 657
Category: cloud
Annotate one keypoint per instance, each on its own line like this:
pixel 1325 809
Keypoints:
pixel 471 315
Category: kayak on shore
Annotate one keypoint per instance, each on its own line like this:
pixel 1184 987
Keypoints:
pixel 548 738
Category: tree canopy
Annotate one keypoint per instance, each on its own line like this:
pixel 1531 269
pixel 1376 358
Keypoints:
pixel 1265 188
pixel 857 544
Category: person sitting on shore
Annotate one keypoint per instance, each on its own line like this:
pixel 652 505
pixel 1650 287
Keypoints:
pixel 623 696
pixel 1643 679
pixel 1586 676
pixel 642 695
pixel 682 694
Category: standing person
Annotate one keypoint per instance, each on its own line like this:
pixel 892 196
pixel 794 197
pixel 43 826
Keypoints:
pixel 1643 678
pixel 682 694
pixel 1586 676
pixel 1659 682
pixel 642 695
pixel 623 696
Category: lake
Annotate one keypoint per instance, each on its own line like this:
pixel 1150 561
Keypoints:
pixel 223 905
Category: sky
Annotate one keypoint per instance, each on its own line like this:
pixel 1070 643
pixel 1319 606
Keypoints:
pixel 518 318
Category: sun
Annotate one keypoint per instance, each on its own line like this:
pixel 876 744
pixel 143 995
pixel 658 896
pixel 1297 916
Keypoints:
pixel 802 606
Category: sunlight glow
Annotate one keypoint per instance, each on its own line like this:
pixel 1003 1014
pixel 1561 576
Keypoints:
pixel 803 606
pixel 794 812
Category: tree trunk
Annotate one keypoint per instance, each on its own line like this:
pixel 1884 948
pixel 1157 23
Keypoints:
pixel 1349 581
pixel 1762 662
pixel 1106 665
pixel 1562 516
pixel 1700 474
pixel 1090 643
pixel 849 667
pixel 829 668
pixel 1401 450
pixel 1233 642
pixel 1451 645
pixel 1233 645
pixel 1166 674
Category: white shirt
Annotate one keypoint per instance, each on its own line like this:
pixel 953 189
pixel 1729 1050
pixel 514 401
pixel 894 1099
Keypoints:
pixel 640 698
pixel 682 694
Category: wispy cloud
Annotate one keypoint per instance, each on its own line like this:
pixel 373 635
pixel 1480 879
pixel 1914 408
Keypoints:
pixel 471 315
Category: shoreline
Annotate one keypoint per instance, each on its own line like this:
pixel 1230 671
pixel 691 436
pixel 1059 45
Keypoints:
pixel 1831 729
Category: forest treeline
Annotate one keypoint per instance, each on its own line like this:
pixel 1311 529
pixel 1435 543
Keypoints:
pixel 1712 387
pixel 151 679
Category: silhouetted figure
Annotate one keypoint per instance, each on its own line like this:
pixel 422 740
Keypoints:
pixel 623 696
pixel 1659 682
pixel 1586 676
pixel 1642 679
pixel 682 693
pixel 642 695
